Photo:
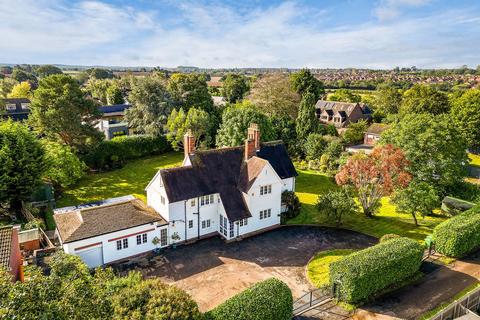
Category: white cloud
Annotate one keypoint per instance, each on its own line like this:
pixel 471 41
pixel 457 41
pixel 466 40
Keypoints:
pixel 390 9
pixel 218 36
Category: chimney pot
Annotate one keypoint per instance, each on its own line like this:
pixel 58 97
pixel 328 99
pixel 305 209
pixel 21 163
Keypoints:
pixel 253 134
pixel 188 143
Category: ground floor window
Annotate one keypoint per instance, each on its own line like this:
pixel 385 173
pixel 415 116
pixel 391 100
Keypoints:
pixel 232 231
pixel 243 222
pixel 125 243
pixel 122 244
pixel 141 238
pixel 223 225
pixel 267 213
pixel 190 224
pixel 206 224
pixel 163 237
pixel 119 245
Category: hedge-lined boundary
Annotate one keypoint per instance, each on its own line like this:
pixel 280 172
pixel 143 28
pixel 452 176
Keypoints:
pixel 267 300
pixel 459 235
pixel 110 154
pixel 360 275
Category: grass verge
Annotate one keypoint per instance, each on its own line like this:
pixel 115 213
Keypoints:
pixel 318 268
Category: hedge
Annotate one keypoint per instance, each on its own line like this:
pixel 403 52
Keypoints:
pixel 110 154
pixel 267 300
pixel 459 235
pixel 363 274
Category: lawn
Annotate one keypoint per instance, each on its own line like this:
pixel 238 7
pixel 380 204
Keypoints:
pixel 310 184
pixel 318 271
pixel 474 159
pixel 131 179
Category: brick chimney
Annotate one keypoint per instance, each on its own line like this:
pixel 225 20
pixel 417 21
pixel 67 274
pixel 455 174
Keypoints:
pixel 252 143
pixel 188 143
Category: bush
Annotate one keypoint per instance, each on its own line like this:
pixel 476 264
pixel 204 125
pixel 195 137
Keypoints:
pixel 292 203
pixel 114 153
pixel 267 300
pixel 361 275
pixel 388 236
pixel 459 235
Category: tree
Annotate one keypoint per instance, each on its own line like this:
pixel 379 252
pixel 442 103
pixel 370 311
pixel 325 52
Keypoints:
pixel 98 89
pixel 114 95
pixel 47 70
pixel 6 86
pixel 22 164
pixel 424 99
pixel 273 94
pixel 314 146
pixel 418 198
pixel 284 128
pixel 235 121
pixel 21 75
pixel 292 204
pixel 190 90
pixel 151 105
pixel 387 101
pixel 64 168
pixel 21 90
pixel 307 121
pixel 98 73
pixel 466 115
pixel 355 132
pixel 303 81
pixel 336 204
pixel 344 95
pixel 234 88
pixel 433 146
pixel 375 175
pixel 195 120
pixel 60 111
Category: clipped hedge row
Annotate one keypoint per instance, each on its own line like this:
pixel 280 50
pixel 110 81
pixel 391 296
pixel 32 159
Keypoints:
pixel 360 275
pixel 110 154
pixel 267 300
pixel 459 235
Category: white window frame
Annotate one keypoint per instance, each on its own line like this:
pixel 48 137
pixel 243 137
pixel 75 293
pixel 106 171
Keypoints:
pixel 266 189
pixel 11 107
pixel 139 239
pixel 190 224
pixel 125 243
pixel 144 238
pixel 119 245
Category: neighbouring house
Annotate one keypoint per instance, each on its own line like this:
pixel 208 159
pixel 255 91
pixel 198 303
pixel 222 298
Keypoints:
pixel 341 114
pixel 109 230
pixel 16 109
pixel 219 101
pixel 112 122
pixel 232 192
pixel 370 138
pixel 10 255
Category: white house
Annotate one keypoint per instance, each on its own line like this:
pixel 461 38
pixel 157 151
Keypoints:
pixel 232 192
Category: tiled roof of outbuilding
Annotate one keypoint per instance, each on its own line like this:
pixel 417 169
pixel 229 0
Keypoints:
pixel 5 246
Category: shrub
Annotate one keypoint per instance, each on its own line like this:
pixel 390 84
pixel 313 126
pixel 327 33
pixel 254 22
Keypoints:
pixel 114 153
pixel 267 300
pixel 292 203
pixel 388 236
pixel 361 275
pixel 459 235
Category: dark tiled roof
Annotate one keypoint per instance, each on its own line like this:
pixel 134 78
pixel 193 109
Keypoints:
pixel 249 172
pixel 5 246
pixel 16 100
pixel 90 222
pixel 223 171
pixel 338 106
pixel 113 108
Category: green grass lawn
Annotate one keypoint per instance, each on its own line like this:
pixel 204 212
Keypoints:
pixel 318 268
pixel 474 159
pixel 131 179
pixel 310 184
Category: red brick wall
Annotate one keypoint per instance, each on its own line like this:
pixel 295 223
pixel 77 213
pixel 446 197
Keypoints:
pixel 16 257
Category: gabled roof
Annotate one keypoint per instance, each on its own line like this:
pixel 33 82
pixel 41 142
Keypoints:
pixel 114 108
pixel 339 106
pixel 5 246
pixel 94 221
pixel 224 171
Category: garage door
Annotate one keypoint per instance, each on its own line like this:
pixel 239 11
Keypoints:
pixel 93 257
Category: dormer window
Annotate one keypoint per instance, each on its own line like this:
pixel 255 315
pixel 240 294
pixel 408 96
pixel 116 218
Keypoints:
pixel 265 189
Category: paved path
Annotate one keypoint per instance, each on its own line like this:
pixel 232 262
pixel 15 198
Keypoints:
pixel 432 290
pixel 212 271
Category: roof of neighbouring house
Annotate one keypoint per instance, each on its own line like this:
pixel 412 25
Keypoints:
pixel 224 171
pixel 87 222
pixel 114 108
pixel 339 106
pixel 16 100
pixel 5 246
pixel 377 128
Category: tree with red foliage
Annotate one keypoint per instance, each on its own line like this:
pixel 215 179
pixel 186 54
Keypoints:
pixel 375 175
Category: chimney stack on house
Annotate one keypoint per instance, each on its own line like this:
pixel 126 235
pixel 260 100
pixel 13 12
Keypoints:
pixel 252 143
pixel 188 143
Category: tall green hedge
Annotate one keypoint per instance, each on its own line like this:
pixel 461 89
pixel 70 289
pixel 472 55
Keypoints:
pixel 360 275
pixel 267 300
pixel 110 154
pixel 459 235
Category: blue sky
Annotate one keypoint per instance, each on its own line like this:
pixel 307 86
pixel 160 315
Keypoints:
pixel 249 33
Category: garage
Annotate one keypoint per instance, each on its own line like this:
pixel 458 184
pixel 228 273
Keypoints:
pixel 93 257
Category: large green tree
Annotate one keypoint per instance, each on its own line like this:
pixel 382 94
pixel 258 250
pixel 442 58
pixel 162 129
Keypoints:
pixel 235 121
pixel 273 95
pixel 307 121
pixel 60 111
pixel 424 99
pixel 466 114
pixel 22 164
pixel 234 87
pixel 434 147
pixel 344 95
pixel 387 101
pixel 196 120
pixel 355 132
pixel 21 75
pixel 190 90
pixel 47 70
pixel 6 86
pixel 304 81
pixel 151 105
pixel 336 204
pixel 418 198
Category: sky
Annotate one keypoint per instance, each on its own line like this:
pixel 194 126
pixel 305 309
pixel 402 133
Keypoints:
pixel 242 33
